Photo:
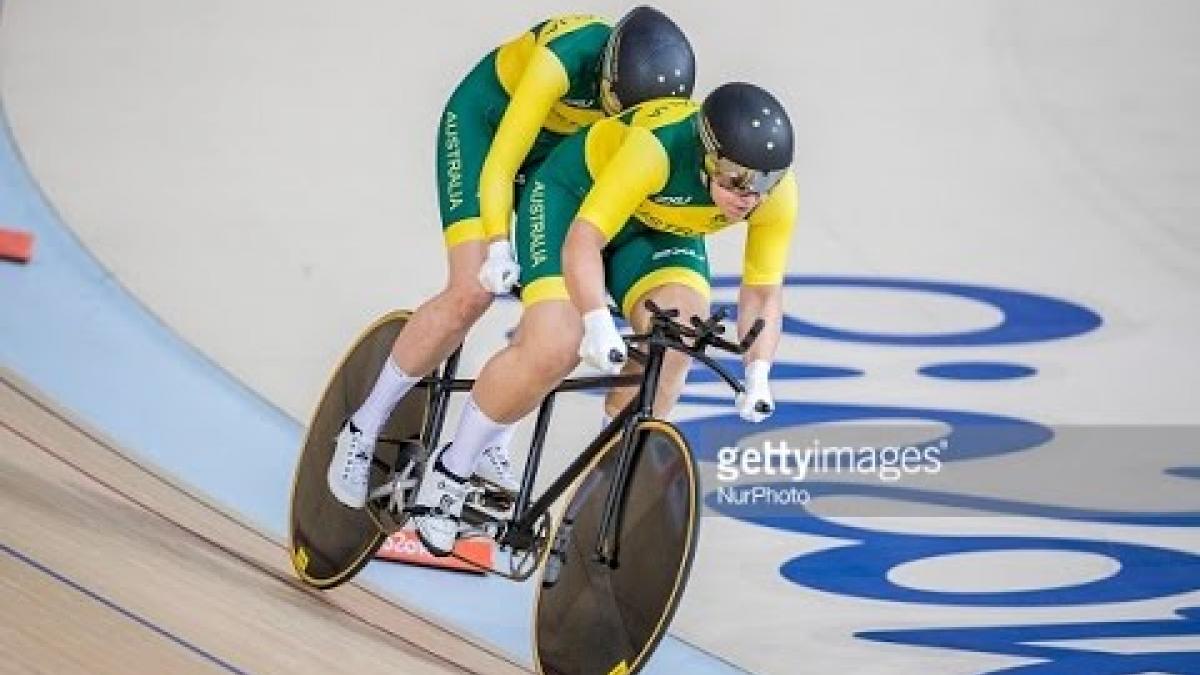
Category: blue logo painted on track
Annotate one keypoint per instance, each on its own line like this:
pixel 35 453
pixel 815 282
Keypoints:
pixel 977 370
pixel 1029 642
pixel 860 567
pixel 1028 317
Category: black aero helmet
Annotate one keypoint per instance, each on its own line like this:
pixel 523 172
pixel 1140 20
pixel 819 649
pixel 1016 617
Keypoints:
pixel 647 56
pixel 747 137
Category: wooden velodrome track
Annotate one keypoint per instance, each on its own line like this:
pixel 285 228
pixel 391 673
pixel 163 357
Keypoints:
pixel 106 567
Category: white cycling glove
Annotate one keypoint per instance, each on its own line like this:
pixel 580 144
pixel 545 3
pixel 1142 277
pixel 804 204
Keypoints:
pixel 756 404
pixel 602 347
pixel 500 271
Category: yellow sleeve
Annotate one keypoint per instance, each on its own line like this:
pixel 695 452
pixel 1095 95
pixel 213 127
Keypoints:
pixel 637 169
pixel 770 235
pixel 542 83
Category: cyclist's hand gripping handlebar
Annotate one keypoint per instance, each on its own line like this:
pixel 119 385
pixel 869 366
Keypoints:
pixel 756 404
pixel 602 346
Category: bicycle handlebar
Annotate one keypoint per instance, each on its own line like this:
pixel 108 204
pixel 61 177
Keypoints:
pixel 704 333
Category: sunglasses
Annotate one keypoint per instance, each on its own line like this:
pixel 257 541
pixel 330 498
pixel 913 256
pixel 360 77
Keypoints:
pixel 736 178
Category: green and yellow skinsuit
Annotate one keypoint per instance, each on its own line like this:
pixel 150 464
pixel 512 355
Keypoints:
pixel 506 116
pixel 638 177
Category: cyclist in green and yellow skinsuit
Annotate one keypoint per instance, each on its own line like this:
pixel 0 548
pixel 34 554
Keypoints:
pixel 622 209
pixel 509 112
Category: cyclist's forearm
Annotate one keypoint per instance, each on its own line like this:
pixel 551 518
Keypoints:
pixel 766 303
pixel 583 266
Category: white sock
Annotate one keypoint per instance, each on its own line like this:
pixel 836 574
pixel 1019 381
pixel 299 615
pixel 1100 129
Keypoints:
pixel 506 436
pixel 391 386
pixel 476 431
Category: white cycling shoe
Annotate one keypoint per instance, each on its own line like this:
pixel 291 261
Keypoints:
pixel 439 505
pixel 495 468
pixel 350 466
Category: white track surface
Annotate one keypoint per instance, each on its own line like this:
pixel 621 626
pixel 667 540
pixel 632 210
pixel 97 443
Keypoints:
pixel 259 174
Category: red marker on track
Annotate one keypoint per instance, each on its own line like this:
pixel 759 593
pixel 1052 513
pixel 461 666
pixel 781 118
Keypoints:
pixel 15 245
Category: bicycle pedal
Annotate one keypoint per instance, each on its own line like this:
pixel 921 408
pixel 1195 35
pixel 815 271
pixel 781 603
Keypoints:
pixel 481 510
pixel 491 488
pixel 490 497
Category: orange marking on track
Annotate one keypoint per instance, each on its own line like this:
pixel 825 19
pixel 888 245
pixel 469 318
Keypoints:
pixel 15 245
pixel 404 546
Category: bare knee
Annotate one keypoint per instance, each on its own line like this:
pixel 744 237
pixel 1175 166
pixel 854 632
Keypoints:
pixel 548 339
pixel 465 304
pixel 553 358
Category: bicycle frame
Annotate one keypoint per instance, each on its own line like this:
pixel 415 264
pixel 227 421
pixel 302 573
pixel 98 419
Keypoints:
pixel 519 530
